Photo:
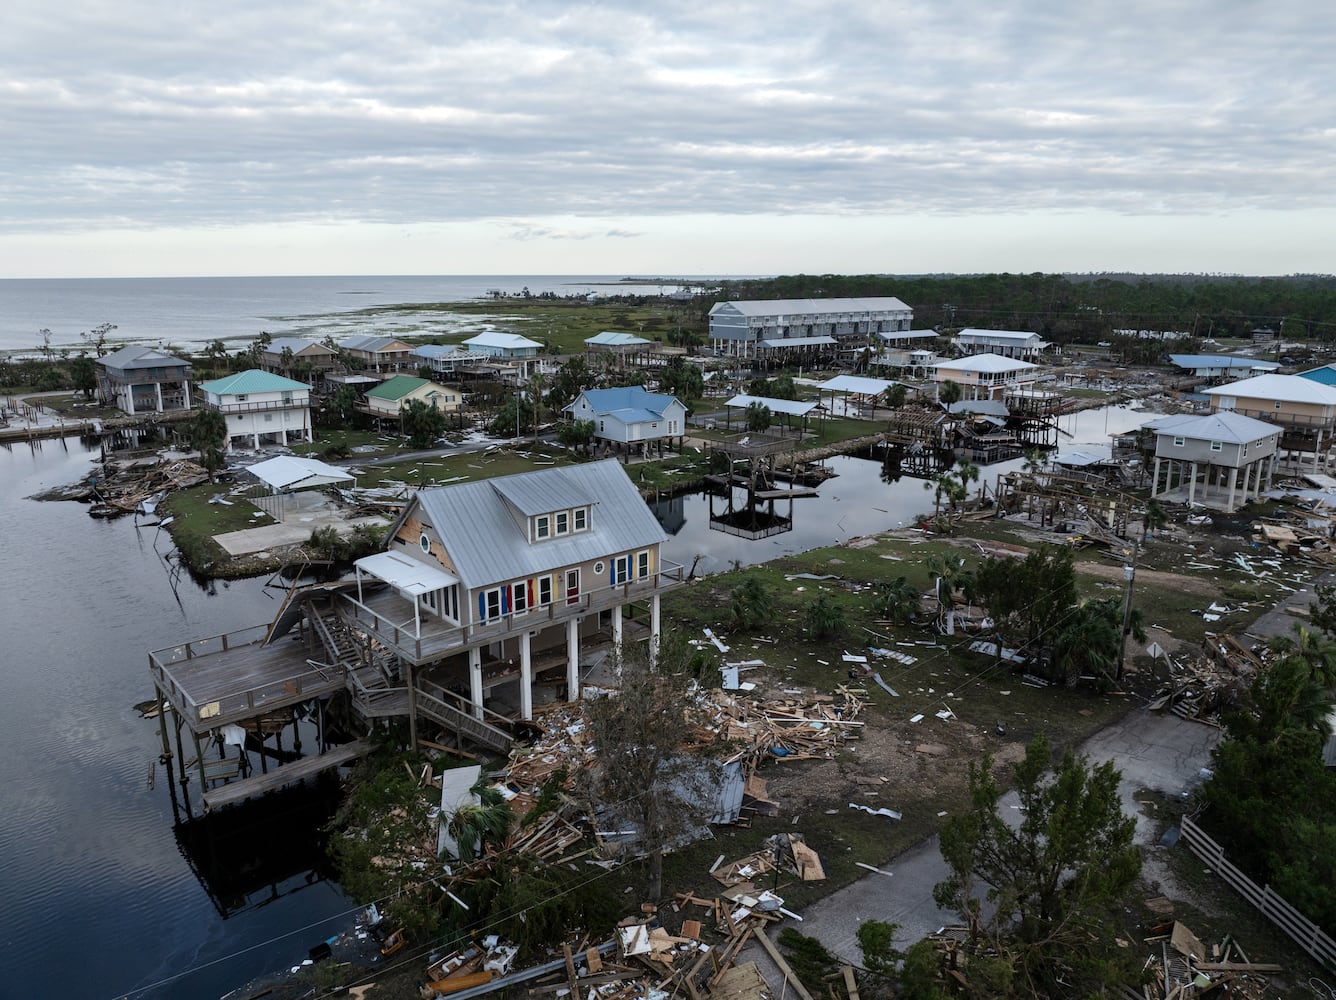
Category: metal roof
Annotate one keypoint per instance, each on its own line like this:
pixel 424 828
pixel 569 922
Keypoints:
pixel 789 307
pixel 984 363
pixel 438 351
pixel 296 345
pixel 1286 388
pixel 397 387
pixel 252 380
pixel 134 356
pixel 607 402
pixel 857 384
pixel 1326 375
pixel 975 334
pixel 1223 425
pixel 990 407
pixel 487 545
pixel 1220 361
pixel 288 472
pixel 406 573
pixel 907 334
pixel 509 340
pixel 793 407
pixel 609 339
pixel 372 343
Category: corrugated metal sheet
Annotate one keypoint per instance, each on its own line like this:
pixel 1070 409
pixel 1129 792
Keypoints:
pixel 488 546
pixel 134 356
pixel 253 380
pixel 630 397
pixel 792 407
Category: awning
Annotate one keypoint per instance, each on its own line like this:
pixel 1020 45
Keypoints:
pixel 856 384
pixel 793 407
pixel 405 574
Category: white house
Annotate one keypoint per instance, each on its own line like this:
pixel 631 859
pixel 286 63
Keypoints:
pixel 1005 343
pixel 986 376
pixel 260 408
pixel 750 329
pixel 630 415
pixel 511 348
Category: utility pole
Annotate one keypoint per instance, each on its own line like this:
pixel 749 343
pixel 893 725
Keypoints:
pixel 1129 574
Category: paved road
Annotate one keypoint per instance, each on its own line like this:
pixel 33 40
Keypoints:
pixel 1160 753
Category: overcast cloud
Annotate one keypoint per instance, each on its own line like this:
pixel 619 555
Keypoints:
pixel 228 134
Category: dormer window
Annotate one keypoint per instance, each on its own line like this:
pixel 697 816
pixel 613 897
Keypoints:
pixel 542 527
pixel 563 522
pixel 581 518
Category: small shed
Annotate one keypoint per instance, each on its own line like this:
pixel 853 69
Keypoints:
pixel 286 475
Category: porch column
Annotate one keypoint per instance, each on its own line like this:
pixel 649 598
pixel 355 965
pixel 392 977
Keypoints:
pixel 1233 481
pixel 617 631
pixel 573 659
pixel 475 680
pixel 655 622
pixel 1192 483
pixel 255 438
pixel 526 676
pixel 1155 479
pixel 157 389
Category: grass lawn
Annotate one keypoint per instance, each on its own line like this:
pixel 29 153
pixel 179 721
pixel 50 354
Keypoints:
pixel 197 521
pixel 334 439
pixel 76 405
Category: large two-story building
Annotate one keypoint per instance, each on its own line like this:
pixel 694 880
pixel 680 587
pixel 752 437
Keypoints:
pixel 758 328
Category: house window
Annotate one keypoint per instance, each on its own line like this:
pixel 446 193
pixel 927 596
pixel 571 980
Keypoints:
pixel 242 398
pixel 287 397
pixel 1217 446
pixel 1178 442
pixel 544 591
pixel 268 418
pixel 490 604
pixel 1277 404
pixel 542 527
pixel 444 603
pixel 602 426
pixel 621 570
pixel 563 522
pixel 642 565
pixel 519 597
pixel 581 515
pixel 425 542
pixel 598 568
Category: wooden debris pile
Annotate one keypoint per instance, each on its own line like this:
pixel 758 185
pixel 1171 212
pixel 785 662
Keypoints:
pixel 1205 688
pixel 1181 967
pixel 785 729
pixel 1305 530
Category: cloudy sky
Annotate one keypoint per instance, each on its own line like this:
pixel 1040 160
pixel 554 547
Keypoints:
pixel 453 136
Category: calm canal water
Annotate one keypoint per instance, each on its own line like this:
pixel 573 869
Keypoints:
pixel 100 900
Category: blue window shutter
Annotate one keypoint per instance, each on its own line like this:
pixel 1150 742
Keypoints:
pixel 505 600
pixel 482 607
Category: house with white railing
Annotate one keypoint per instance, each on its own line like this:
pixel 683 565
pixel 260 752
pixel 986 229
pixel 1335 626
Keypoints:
pixel 494 587
pixel 144 380
pixel 260 408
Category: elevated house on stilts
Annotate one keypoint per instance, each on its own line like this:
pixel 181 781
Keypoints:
pixel 486 597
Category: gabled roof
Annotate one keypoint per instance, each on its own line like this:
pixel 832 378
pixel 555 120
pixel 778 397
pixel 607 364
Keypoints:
pixel 437 351
pixel 487 546
pixel 1018 335
pixel 788 307
pixel 634 398
pixel 1285 388
pixel 1223 425
pixel 492 339
pixel 288 472
pixel 138 356
pixel 296 345
pixel 984 363
pixel 609 339
pixel 1221 361
pixel 907 334
pixel 397 387
pixel 372 344
pixel 252 380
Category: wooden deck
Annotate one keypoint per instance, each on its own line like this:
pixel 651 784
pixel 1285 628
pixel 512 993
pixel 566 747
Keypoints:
pixel 214 681
pixel 256 785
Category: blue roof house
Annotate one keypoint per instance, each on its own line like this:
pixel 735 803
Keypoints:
pixel 630 415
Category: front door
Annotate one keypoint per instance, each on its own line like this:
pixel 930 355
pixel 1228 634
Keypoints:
pixel 572 586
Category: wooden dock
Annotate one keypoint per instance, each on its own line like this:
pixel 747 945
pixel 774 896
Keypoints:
pixel 240 789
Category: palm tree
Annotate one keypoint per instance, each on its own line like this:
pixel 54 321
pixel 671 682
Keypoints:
pixel 753 604
pixel 897 600
pixel 1155 517
pixel 825 618
pixel 1286 697
pixel 949 392
pixel 1314 649
pixel 477 827
pixel 947 573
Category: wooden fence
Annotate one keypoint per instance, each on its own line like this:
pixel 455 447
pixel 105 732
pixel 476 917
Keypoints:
pixel 1305 933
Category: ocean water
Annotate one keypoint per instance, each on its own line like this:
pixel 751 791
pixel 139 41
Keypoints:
pixel 189 312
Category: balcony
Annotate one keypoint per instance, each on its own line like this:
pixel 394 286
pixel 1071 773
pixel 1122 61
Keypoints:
pixel 389 617
pixel 296 403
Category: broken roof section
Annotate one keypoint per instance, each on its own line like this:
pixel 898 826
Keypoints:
pixel 288 472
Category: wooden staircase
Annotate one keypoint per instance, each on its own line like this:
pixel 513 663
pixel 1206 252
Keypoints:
pixel 367 665
pixel 456 715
